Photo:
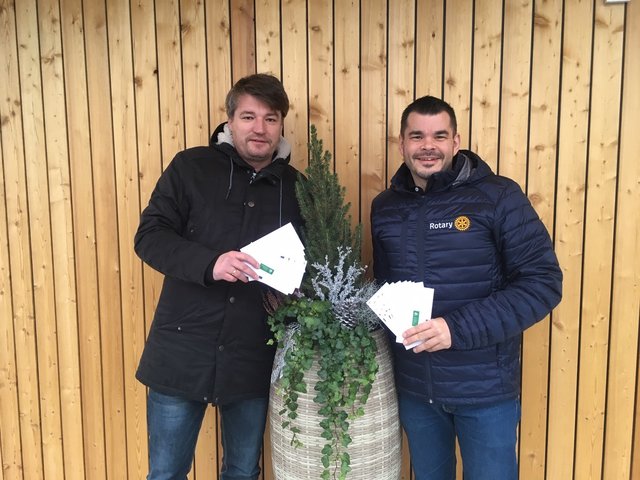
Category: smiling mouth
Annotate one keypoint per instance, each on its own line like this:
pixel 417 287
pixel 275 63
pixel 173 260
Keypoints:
pixel 427 159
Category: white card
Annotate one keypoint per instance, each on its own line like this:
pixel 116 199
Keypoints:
pixel 401 305
pixel 281 257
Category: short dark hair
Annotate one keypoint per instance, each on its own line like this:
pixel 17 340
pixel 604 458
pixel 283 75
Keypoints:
pixel 263 86
pixel 428 105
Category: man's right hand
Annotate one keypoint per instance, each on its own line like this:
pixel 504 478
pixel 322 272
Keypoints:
pixel 233 266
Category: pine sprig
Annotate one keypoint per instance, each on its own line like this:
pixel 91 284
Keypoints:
pixel 327 220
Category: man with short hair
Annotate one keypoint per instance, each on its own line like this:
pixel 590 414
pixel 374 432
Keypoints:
pixel 208 339
pixel 448 221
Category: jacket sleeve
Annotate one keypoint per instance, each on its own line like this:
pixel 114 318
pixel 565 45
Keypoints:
pixel 380 267
pixel 532 279
pixel 162 237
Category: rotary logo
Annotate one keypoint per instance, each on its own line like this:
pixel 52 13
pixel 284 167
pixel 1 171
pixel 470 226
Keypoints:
pixel 462 223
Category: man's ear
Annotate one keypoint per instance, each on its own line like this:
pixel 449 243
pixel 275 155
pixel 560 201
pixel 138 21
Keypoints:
pixel 456 143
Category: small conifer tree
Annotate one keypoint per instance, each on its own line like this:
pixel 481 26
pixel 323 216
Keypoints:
pixel 328 222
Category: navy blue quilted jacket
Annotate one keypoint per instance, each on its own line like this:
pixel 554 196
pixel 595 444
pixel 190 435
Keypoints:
pixel 475 238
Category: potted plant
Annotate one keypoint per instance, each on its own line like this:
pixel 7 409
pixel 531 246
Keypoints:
pixel 331 351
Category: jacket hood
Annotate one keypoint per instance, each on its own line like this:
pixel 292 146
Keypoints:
pixel 272 173
pixel 466 167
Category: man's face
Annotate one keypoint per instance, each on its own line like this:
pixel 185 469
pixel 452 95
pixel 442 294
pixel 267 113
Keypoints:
pixel 256 130
pixel 428 145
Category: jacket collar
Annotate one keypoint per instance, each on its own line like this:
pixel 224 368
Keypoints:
pixel 222 138
pixel 467 166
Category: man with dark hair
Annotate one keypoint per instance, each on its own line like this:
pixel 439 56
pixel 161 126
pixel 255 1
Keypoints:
pixel 448 221
pixel 208 339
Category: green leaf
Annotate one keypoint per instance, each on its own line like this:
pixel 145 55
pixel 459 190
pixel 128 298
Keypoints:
pixel 345 357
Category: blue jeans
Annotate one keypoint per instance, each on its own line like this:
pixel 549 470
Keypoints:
pixel 486 434
pixel 174 423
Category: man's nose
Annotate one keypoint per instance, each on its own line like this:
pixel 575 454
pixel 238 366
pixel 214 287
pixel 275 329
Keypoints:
pixel 259 125
pixel 427 143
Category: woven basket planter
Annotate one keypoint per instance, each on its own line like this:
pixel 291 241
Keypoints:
pixel 375 451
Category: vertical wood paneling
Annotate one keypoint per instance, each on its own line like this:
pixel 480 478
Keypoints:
pixel 96 97
pixel 20 261
pixel 39 219
pixel 623 347
pixel 207 459
pixel 373 113
pixel 541 153
pixel 128 208
pixel 147 100
pixel 515 94
pixel 170 78
pixel 243 42
pixel 599 227
pixel 12 213
pixel 219 59
pixel 194 72
pixel 458 57
pixel 347 104
pixel 572 161
pixel 485 108
pixel 102 163
pixel 294 77
pixel 86 267
pixel 400 78
pixel 268 40
pixel 320 58
pixel 10 453
pixel 66 321
pixel 429 47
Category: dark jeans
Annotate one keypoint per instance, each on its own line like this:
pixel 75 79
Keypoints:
pixel 486 434
pixel 174 424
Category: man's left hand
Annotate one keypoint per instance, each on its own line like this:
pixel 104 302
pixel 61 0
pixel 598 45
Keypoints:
pixel 434 334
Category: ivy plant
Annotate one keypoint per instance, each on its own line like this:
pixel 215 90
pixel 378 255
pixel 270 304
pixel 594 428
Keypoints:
pixel 328 321
pixel 347 368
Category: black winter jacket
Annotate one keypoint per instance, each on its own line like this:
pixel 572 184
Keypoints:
pixel 474 237
pixel 208 339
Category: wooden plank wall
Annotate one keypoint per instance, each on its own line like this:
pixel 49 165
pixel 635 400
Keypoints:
pixel 97 95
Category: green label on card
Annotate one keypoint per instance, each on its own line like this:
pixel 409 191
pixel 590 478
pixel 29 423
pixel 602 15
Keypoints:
pixel 265 268
pixel 416 318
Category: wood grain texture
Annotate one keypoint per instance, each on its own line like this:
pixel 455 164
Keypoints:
pixel 622 431
pixel 97 97
pixel 599 237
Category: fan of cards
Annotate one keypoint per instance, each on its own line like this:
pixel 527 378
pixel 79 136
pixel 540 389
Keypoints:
pixel 281 257
pixel 402 305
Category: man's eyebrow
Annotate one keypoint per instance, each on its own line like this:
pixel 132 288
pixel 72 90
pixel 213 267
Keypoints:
pixel 437 132
pixel 251 112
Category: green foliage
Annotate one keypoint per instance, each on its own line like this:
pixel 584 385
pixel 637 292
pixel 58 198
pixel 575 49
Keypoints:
pixel 347 367
pixel 345 350
pixel 327 219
